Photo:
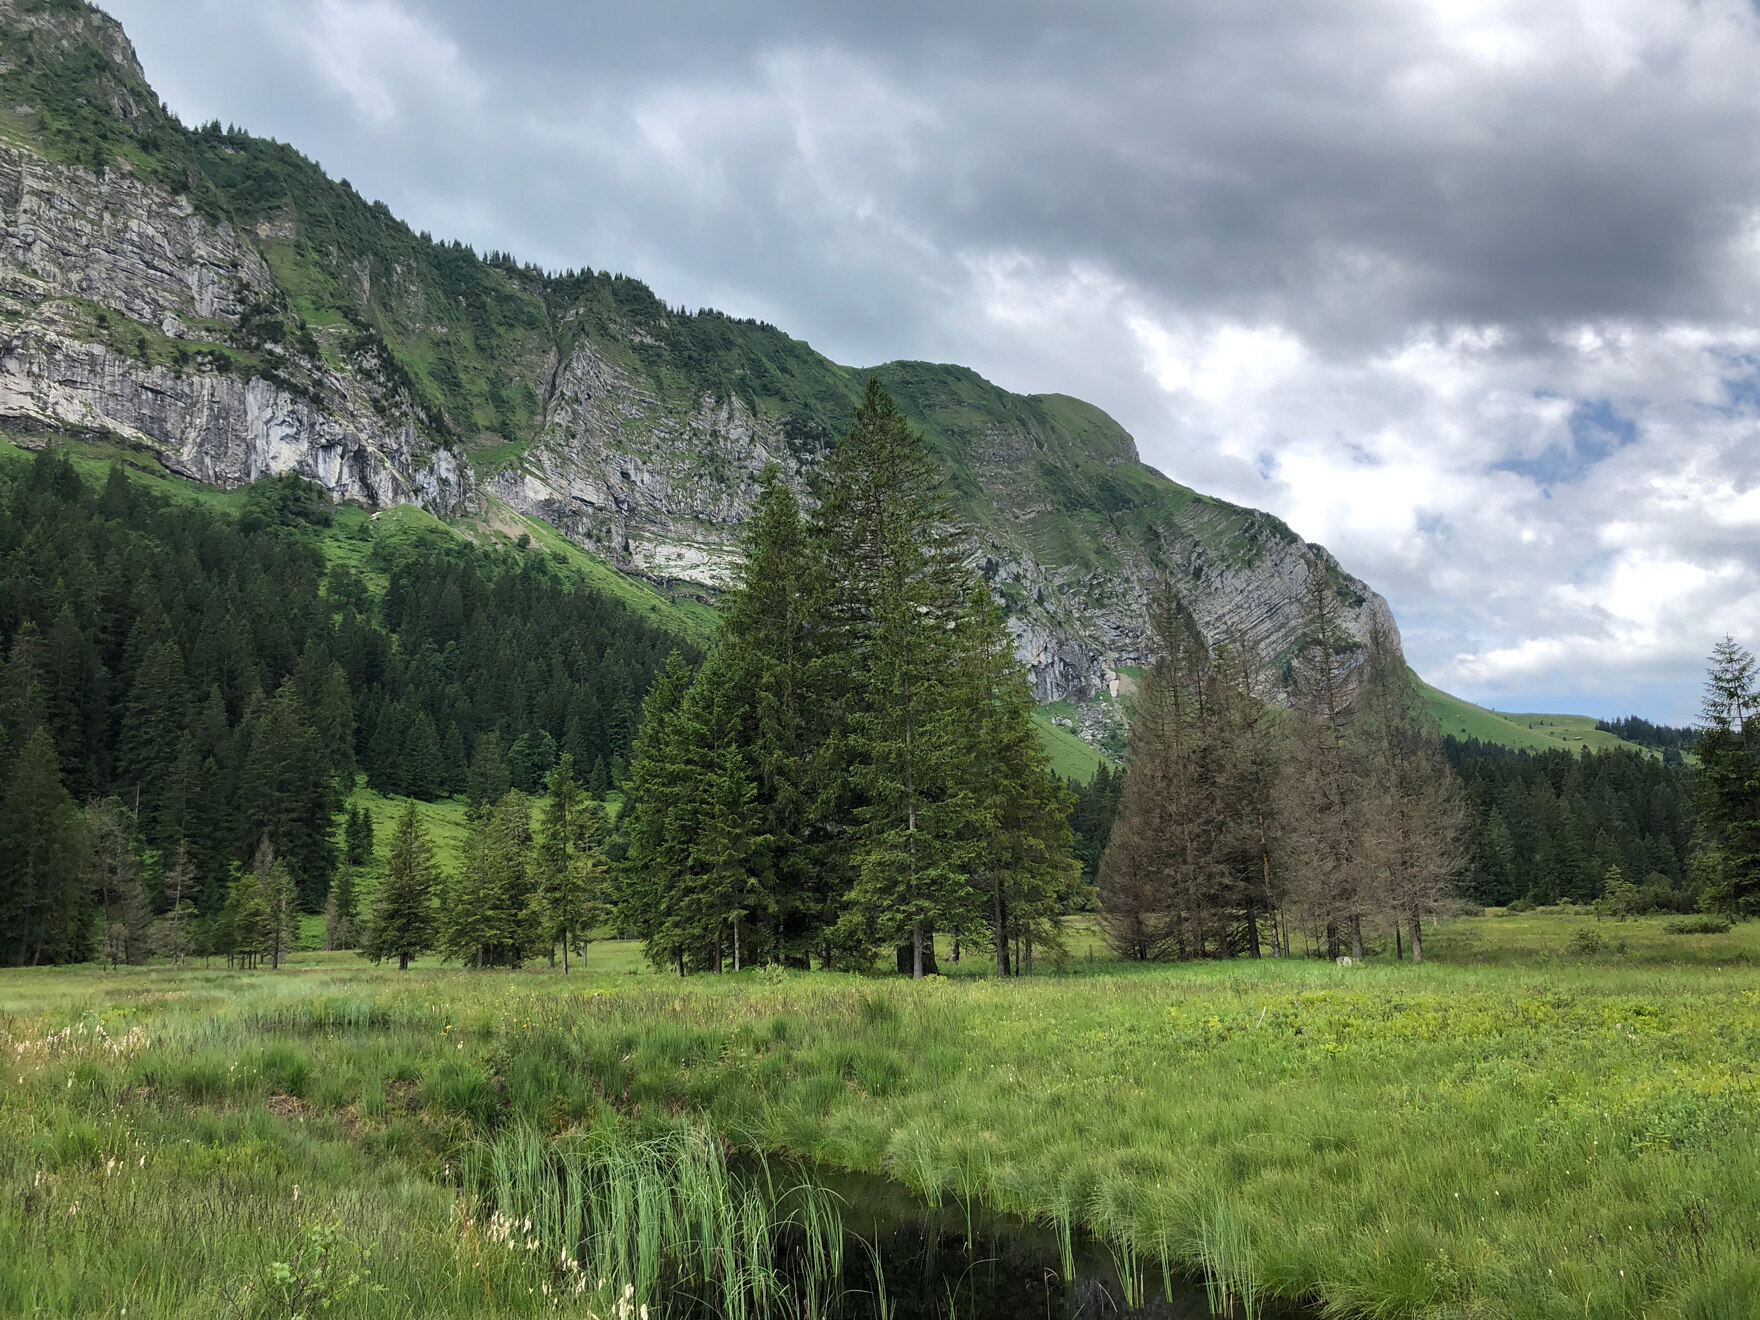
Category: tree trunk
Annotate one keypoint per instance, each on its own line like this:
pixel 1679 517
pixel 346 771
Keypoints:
pixel 736 944
pixel 1001 932
pixel 1026 953
pixel 403 961
pixel 1398 953
pixel 565 950
pixel 916 950
pixel 1418 938
pixel 1357 938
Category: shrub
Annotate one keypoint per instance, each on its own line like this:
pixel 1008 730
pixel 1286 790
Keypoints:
pixel 1707 924
pixel 1587 941
pixel 1517 906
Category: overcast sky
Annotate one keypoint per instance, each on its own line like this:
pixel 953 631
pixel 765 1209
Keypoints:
pixel 1465 291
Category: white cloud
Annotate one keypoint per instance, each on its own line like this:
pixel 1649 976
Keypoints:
pixel 1467 289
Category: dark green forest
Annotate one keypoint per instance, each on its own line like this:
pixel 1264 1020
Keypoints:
pixel 1550 826
pixel 221 683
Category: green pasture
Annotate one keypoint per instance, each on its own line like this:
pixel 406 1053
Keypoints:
pixel 1516 1128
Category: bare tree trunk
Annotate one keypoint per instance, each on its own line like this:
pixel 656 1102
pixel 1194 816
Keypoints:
pixel 1418 938
pixel 916 950
pixel 1001 914
pixel 1357 938
pixel 1026 953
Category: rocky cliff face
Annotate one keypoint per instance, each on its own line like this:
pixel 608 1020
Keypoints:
pixel 216 299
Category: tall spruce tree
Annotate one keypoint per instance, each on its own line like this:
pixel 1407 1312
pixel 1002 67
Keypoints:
pixel 488 917
pixel 570 865
pixel 1728 787
pixel 114 877
pixel 767 638
pixel 657 862
pixel 1165 865
pixel 403 919
pixel 1327 782
pixel 899 589
pixel 45 913
pixel 1415 817
pixel 1019 814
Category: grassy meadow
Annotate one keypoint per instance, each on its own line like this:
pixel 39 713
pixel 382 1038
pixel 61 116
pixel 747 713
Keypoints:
pixel 1518 1128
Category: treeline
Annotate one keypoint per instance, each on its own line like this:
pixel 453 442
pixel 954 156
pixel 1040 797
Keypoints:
pixel 1668 740
pixel 854 767
pixel 1246 830
pixel 1562 826
pixel 212 683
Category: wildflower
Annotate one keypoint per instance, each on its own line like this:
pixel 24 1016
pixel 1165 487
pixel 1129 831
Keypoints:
pixel 296 1193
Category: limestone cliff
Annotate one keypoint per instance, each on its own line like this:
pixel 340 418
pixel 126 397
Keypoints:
pixel 217 299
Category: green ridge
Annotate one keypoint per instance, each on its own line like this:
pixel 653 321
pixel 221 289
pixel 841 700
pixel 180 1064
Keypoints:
pixel 1523 732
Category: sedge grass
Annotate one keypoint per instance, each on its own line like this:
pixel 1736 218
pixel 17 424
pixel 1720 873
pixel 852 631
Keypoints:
pixel 1561 1137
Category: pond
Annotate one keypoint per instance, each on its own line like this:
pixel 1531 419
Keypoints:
pixel 941 1264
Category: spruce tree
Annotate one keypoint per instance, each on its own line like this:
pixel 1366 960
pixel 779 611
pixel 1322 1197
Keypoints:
pixel 173 935
pixel 114 879
pixel 768 629
pixel 243 928
pixel 403 919
pixel 1728 783
pixel 570 866
pixel 45 911
pixel 279 899
pixel 655 867
pixel 1415 816
pixel 899 590
pixel 357 837
pixel 488 780
pixel 1019 811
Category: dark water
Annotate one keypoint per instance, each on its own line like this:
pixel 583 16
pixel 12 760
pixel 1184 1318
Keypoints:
pixel 938 1265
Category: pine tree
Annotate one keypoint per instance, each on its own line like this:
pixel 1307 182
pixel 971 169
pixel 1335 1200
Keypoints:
pixel 767 630
pixel 1165 863
pixel 275 888
pixel 243 928
pixel 1415 815
pixel 358 837
pixel 114 878
pixel 570 866
pixel 403 920
pixel 45 914
pixel 152 730
pixel 488 780
pixel 1019 812
pixel 655 867
pixel 342 912
pixel 1728 783
pixel 1326 785
pixel 287 795
pixel 884 527
pixel 172 934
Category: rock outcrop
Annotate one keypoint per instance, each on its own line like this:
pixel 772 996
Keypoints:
pixel 219 301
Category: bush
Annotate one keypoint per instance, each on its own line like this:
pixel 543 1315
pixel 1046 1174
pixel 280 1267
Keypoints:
pixel 1518 906
pixel 1701 925
pixel 1587 940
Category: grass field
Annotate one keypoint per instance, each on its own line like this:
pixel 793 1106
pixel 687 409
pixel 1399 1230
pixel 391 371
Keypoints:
pixel 1516 1129
pixel 1463 719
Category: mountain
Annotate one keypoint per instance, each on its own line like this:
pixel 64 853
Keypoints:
pixel 215 298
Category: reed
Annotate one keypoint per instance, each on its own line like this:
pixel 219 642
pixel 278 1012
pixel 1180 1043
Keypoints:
pixel 659 1226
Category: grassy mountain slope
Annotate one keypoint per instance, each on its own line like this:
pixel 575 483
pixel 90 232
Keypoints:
pixel 1531 732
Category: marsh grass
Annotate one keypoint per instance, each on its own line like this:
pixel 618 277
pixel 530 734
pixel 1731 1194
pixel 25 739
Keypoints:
pixel 662 1225
pixel 1562 1137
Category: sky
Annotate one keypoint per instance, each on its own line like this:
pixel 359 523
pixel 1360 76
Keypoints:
pixel 1467 291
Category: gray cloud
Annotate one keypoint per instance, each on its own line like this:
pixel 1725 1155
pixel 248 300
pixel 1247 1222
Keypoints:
pixel 1466 290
